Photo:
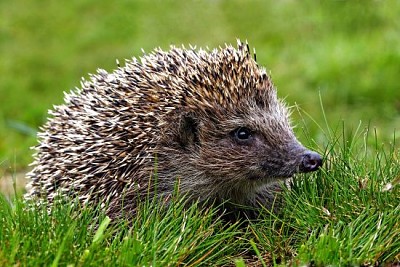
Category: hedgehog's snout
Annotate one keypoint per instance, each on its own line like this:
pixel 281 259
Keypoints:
pixel 311 161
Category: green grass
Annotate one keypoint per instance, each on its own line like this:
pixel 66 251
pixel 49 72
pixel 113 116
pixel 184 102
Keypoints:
pixel 347 214
pixel 346 50
pixel 31 236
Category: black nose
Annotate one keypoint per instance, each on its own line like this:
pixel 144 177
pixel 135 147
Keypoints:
pixel 311 162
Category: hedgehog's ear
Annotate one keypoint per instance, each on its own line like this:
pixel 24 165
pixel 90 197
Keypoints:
pixel 188 131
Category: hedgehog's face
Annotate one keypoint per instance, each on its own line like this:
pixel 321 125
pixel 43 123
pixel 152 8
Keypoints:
pixel 253 143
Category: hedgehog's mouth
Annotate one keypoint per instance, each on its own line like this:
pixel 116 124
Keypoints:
pixel 269 178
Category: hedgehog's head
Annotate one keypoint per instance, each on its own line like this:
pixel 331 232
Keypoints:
pixel 232 128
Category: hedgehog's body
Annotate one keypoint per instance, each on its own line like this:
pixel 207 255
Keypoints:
pixel 208 118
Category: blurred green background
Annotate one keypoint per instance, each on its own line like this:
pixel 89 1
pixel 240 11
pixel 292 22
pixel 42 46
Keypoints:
pixel 346 51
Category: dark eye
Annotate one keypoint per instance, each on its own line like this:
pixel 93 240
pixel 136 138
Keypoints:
pixel 243 133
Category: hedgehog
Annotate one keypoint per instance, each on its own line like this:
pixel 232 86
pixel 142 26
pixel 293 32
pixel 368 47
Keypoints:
pixel 207 120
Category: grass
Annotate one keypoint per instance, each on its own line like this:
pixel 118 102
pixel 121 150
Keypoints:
pixel 30 236
pixel 345 214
